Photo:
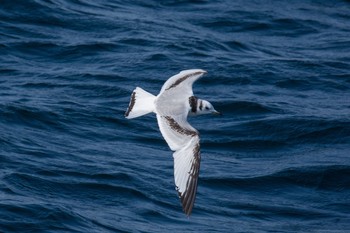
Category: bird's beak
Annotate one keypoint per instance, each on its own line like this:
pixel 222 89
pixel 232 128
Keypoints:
pixel 217 113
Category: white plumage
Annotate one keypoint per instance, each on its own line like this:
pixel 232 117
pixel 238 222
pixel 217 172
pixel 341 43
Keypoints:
pixel 172 105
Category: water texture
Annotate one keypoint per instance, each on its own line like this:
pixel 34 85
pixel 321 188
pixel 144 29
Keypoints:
pixel 276 161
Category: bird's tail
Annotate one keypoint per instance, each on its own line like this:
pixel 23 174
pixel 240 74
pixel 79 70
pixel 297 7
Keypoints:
pixel 141 103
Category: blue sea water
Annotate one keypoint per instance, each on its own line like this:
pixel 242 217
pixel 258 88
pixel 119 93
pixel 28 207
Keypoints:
pixel 277 160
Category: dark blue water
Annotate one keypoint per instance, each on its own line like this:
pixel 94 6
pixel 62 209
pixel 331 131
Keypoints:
pixel 278 160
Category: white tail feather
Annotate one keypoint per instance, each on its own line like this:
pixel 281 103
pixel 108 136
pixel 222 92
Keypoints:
pixel 141 103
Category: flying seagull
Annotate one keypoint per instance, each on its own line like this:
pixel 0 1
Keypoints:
pixel 172 106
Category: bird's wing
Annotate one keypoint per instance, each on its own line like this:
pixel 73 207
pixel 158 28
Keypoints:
pixel 176 131
pixel 184 140
pixel 186 171
pixel 184 80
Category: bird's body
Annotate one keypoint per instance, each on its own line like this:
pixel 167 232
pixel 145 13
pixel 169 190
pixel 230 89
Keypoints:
pixel 172 106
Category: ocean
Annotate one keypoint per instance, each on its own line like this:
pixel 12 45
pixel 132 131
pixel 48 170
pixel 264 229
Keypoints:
pixel 277 160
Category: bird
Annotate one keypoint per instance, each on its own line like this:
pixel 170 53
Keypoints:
pixel 174 103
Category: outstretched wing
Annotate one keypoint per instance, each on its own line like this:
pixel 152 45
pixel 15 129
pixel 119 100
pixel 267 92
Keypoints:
pixel 184 140
pixel 184 80
pixel 176 131
pixel 186 171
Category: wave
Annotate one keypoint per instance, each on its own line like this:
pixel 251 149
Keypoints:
pixel 276 159
pixel 333 178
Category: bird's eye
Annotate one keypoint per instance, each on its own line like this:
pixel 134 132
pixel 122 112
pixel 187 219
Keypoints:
pixel 207 108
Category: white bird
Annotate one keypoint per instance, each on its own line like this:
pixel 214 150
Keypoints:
pixel 172 106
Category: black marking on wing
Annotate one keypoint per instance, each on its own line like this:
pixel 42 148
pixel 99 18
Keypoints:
pixel 193 103
pixel 188 197
pixel 180 80
pixel 200 105
pixel 131 104
pixel 176 127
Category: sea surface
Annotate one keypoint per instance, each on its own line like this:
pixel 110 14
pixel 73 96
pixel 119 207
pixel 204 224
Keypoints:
pixel 277 160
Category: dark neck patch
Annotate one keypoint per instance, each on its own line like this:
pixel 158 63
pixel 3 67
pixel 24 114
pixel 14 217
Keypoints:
pixel 193 103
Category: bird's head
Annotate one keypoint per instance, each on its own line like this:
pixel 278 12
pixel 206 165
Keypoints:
pixel 205 107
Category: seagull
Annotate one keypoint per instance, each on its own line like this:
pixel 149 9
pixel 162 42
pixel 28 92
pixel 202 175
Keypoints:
pixel 172 106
